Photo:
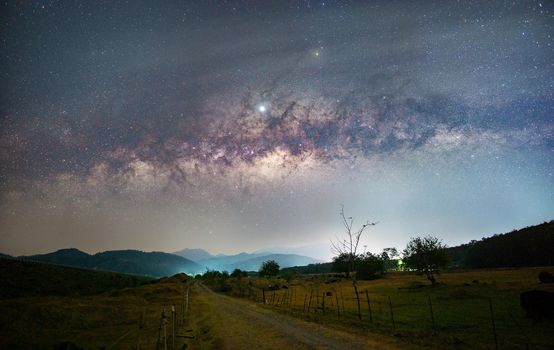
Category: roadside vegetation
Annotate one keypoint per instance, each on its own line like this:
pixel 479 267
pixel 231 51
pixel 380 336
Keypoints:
pixel 419 296
pixel 460 304
pixel 47 306
pixel 412 295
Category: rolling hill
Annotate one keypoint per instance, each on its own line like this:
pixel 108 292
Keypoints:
pixel 20 278
pixel 529 246
pixel 125 261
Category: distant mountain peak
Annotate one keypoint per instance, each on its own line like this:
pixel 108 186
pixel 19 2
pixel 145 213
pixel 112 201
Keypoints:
pixel 252 261
pixel 194 254
pixel 69 250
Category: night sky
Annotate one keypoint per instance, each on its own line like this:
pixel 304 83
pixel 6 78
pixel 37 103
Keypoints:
pixel 242 125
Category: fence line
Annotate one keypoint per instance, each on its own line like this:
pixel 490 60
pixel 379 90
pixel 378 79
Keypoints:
pixel 399 315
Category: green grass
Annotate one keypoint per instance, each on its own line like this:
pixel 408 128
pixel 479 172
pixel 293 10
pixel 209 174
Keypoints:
pixel 25 279
pixel 460 307
pixel 45 305
pixel 49 304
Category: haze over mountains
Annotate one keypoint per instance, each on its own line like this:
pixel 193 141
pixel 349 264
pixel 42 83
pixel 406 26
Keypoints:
pixel 244 261
pixel 502 250
pixel 157 264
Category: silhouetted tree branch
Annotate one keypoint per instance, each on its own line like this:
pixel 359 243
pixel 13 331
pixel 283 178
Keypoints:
pixel 347 250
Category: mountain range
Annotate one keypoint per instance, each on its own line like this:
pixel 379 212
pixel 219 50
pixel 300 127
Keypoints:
pixel 194 254
pixel 243 261
pixel 530 246
pixel 157 264
pixel 135 262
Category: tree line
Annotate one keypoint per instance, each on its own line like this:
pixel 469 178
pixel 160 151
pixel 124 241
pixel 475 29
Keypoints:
pixel 530 246
pixel 425 255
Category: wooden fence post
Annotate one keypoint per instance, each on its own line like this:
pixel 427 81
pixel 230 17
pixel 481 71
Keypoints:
pixel 368 307
pixel 291 302
pixel 263 295
pixel 342 300
pixel 432 315
pixel 183 309
pixel 310 301
pixel 323 304
pixel 304 307
pixel 141 326
pixel 391 314
pixel 493 325
pixel 338 307
pixel 158 342
pixel 358 300
pixel 173 326
pixel 165 330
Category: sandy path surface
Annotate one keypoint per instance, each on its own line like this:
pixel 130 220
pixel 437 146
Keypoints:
pixel 232 323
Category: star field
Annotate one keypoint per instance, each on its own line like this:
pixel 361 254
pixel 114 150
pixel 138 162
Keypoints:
pixel 238 125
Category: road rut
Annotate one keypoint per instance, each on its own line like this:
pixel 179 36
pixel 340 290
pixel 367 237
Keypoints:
pixel 242 324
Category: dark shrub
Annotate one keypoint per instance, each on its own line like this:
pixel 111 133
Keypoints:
pixel 538 304
pixel 546 277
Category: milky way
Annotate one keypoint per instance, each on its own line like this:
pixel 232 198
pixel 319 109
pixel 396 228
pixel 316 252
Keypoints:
pixel 241 125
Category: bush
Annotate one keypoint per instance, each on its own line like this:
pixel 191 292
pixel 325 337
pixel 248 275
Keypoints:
pixel 546 277
pixel 287 275
pixel 238 273
pixel 269 268
pixel 369 266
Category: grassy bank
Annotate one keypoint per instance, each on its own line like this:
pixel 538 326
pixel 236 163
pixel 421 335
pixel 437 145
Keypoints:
pixel 20 278
pixel 50 304
pixel 456 313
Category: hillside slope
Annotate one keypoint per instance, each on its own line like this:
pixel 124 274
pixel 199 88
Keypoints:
pixel 125 261
pixel 530 246
pixel 20 278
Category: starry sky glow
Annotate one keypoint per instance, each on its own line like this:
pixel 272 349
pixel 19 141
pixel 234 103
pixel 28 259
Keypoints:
pixel 241 125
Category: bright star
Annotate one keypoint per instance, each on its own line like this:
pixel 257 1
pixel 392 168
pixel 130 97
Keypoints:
pixel 262 108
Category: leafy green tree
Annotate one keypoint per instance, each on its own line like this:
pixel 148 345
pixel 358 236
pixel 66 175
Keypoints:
pixel 426 255
pixel 369 266
pixel 344 263
pixel 216 280
pixel 269 268
pixel 390 258
pixel 211 274
pixel 238 273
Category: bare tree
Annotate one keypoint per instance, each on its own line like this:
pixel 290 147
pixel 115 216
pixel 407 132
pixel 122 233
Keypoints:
pixel 347 248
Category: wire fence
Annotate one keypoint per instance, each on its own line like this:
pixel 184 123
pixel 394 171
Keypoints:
pixel 170 328
pixel 471 321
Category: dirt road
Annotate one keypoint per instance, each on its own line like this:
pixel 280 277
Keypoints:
pixel 229 323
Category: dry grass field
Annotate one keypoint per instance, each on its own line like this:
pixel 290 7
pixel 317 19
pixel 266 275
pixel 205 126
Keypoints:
pixel 118 318
pixel 130 317
pixel 461 306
